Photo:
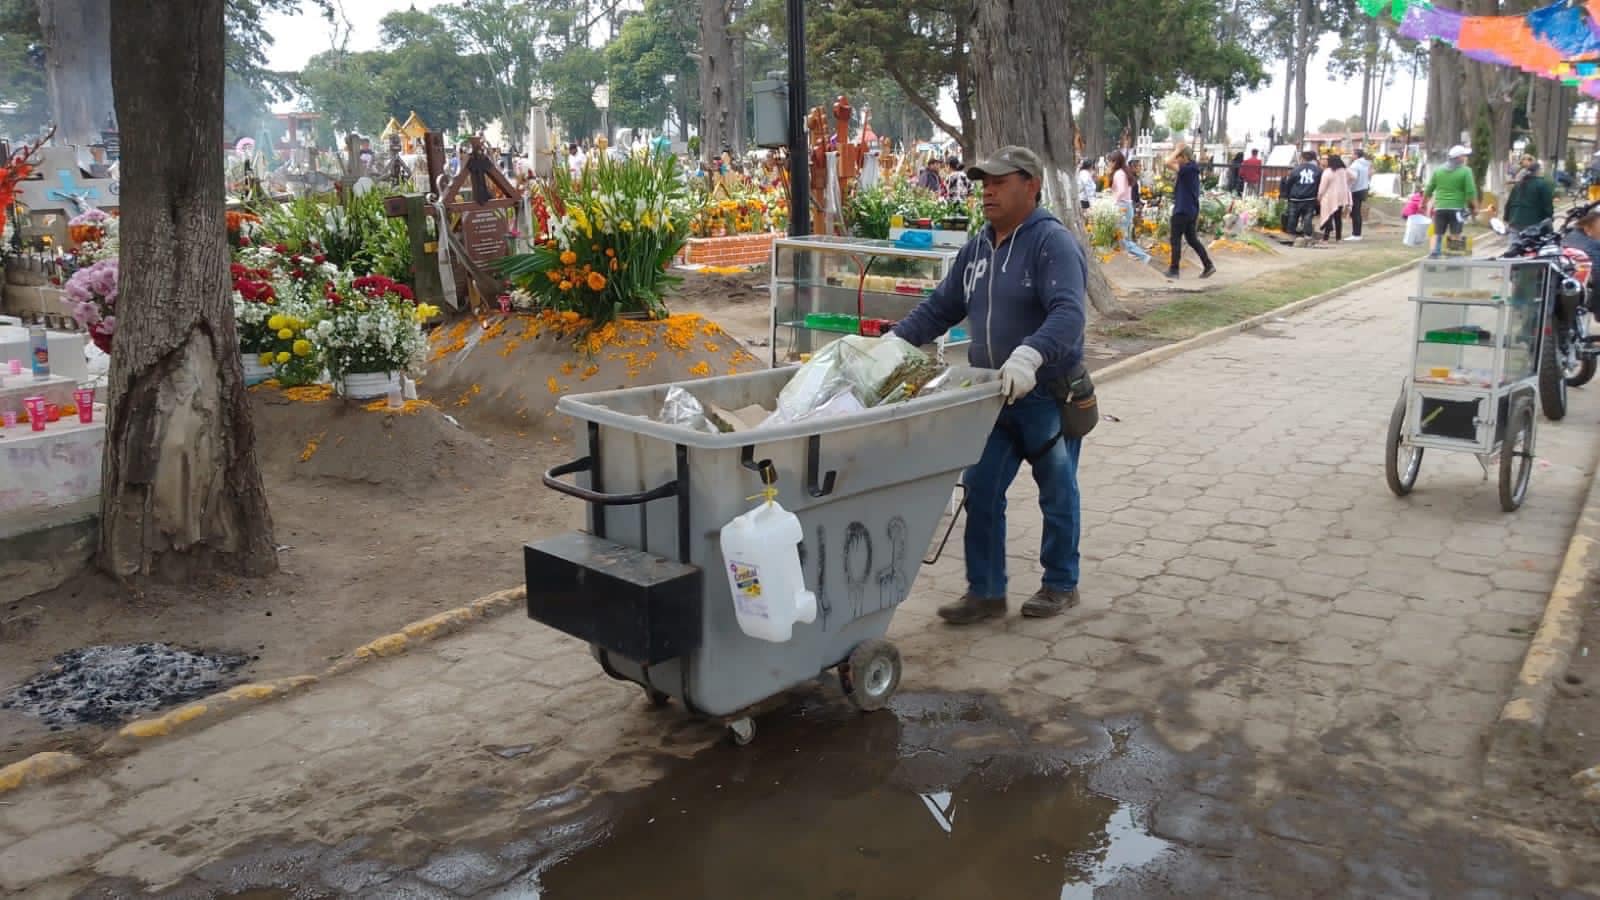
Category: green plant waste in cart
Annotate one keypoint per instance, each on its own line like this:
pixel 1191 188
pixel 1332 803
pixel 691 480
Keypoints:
pixel 837 497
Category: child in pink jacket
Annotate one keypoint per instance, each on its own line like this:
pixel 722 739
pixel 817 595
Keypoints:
pixel 1413 206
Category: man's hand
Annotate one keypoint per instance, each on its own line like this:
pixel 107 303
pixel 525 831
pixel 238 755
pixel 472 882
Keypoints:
pixel 1020 373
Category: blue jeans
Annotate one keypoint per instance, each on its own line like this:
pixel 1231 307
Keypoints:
pixel 1128 243
pixel 1034 419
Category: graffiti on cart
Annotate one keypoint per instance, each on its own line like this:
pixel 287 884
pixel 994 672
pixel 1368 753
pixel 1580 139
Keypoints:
pixel 893 585
pixel 857 567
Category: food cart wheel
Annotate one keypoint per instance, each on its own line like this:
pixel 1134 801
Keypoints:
pixel 1400 464
pixel 657 698
pixel 1516 456
pixel 742 730
pixel 871 674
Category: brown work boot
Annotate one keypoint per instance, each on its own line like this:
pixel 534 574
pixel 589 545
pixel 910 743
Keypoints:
pixel 1049 602
pixel 970 609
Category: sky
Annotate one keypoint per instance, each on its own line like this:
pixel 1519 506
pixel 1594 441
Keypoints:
pixel 297 38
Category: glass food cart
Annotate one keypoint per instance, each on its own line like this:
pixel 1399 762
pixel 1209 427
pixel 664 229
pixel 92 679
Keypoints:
pixel 825 286
pixel 1473 383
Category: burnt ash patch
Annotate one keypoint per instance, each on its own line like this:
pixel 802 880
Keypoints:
pixel 108 684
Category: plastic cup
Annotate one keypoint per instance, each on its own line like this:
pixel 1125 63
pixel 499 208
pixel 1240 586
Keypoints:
pixel 84 398
pixel 36 413
pixel 52 412
pixel 396 397
pixel 9 417
pixel 14 367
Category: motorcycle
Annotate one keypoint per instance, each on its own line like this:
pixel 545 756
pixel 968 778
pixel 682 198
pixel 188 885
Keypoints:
pixel 1568 356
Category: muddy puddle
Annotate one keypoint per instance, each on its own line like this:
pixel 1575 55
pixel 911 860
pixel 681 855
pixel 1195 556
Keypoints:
pixel 939 798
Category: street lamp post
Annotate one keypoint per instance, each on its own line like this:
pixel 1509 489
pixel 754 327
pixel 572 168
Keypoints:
pixel 602 102
pixel 799 155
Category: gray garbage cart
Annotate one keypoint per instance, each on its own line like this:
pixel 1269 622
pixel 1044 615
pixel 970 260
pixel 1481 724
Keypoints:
pixel 644 585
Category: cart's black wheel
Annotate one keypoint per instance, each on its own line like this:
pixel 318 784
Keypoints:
pixel 1552 380
pixel 1582 373
pixel 871 674
pixel 657 698
pixel 1516 456
pixel 1400 464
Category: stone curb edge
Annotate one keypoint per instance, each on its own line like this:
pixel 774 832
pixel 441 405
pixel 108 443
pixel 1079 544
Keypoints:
pixel 47 766
pixel 50 765
pixel 1141 361
pixel 1517 729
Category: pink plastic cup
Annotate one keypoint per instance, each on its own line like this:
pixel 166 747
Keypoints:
pixel 35 407
pixel 84 398
pixel 14 367
pixel 9 417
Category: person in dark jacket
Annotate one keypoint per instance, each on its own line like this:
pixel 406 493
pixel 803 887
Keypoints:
pixel 1235 176
pixel 1186 211
pixel 1020 284
pixel 1532 199
pixel 1585 236
pixel 1301 187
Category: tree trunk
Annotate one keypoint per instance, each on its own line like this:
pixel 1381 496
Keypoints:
pixel 1550 106
pixel 1443 117
pixel 721 115
pixel 1093 121
pixel 77 35
pixel 1288 93
pixel 1305 46
pixel 181 494
pixel 1369 66
pixel 1021 52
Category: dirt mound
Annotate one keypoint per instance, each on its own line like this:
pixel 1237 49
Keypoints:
pixel 511 370
pixel 308 433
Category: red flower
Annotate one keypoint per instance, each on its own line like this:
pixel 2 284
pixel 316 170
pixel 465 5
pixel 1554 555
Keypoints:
pixel 281 248
pixel 244 240
pixel 319 259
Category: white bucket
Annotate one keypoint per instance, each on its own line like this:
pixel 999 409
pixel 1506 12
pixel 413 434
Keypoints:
pixel 1417 230
pixel 368 385
pixel 254 371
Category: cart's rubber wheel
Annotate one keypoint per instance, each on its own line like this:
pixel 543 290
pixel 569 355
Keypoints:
pixel 657 698
pixel 1400 464
pixel 1552 380
pixel 1582 373
pixel 742 731
pixel 1516 456
pixel 871 674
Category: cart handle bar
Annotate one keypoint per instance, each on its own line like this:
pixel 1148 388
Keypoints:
pixel 552 480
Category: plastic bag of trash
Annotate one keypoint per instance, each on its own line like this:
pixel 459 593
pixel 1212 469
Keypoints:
pixel 681 408
pixel 872 370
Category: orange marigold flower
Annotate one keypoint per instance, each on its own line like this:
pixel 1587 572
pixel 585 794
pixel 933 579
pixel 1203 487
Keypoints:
pixel 568 257
pixel 565 285
pixel 597 282
pixel 613 265
pixel 700 369
pixel 611 251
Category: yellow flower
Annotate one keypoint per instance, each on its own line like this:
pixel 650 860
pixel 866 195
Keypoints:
pixel 626 225
pixel 426 311
pixel 597 282
pixel 285 333
pixel 568 257
pixel 265 359
pixel 302 347
pixel 275 323
pixel 283 357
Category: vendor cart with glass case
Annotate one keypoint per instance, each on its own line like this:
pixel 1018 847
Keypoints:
pixel 827 286
pixel 1473 382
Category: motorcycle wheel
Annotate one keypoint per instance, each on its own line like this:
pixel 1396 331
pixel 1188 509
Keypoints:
pixel 1552 381
pixel 1582 373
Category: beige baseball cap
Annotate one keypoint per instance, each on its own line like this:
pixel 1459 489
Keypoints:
pixel 1005 161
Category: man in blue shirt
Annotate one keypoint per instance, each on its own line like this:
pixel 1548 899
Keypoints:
pixel 1186 211
pixel 1020 285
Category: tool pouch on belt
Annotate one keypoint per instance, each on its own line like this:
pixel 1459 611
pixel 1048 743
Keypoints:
pixel 1074 395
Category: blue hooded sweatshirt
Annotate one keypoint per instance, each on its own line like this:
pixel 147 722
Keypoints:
pixel 1029 290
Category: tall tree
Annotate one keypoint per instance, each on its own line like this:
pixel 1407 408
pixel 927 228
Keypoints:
pixel 181 492
pixel 722 78
pixel 76 35
pixel 1021 51
pixel 504 36
pixel 654 45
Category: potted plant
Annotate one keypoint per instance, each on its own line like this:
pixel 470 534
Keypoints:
pixel 91 295
pixel 370 334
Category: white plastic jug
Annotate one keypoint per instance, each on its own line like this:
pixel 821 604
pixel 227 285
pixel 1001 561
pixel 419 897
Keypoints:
pixel 761 556
pixel 1417 230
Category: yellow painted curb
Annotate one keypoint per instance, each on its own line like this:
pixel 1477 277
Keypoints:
pixel 38 768
pixel 1516 731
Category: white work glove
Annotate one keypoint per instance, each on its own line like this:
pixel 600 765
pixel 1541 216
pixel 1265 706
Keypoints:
pixel 1020 373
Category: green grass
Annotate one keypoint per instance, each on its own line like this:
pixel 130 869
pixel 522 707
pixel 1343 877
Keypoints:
pixel 1193 314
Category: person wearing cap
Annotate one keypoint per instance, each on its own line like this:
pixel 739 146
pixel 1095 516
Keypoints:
pixel 1020 285
pixel 1453 196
